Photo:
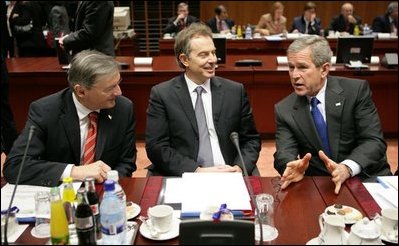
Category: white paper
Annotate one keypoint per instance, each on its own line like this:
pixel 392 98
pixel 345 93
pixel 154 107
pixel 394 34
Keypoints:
pixel 277 37
pixel 173 190
pixel 202 190
pixel 391 181
pixel 142 60
pixel 386 197
pixel 24 197
pixel 282 60
pixel 14 236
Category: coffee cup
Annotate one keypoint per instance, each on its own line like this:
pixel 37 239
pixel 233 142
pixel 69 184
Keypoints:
pixel 332 229
pixel 161 217
pixel 389 223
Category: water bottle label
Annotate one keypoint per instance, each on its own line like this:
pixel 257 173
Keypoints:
pixel 84 223
pixel 94 209
pixel 112 229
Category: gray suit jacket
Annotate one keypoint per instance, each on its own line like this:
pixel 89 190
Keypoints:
pixel 172 140
pixel 56 141
pixel 354 129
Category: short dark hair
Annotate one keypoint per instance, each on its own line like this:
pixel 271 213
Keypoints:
pixel 309 5
pixel 218 10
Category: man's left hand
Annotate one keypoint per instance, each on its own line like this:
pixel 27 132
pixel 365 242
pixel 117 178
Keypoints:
pixel 339 171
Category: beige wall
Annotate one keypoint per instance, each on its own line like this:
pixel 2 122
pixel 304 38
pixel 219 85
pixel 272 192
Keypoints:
pixel 244 12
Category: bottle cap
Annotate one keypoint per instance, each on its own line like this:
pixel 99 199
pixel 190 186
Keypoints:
pixel 67 180
pixel 113 174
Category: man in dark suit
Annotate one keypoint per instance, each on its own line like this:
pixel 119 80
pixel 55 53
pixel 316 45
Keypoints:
pixel 352 143
pixel 308 23
pixel 93 28
pixel 173 139
pixel 220 23
pixel 346 21
pixel 183 19
pixel 62 124
pixel 387 23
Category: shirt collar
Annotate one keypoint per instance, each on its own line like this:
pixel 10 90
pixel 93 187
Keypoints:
pixel 82 110
pixel 321 95
pixel 192 86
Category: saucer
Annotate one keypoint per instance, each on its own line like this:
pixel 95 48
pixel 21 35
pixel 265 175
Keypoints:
pixel 351 215
pixel 172 233
pixel 132 210
pixel 315 241
pixel 387 241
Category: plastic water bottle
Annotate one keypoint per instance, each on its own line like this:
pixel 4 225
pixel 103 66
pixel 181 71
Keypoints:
pixel 366 30
pixel 248 32
pixel 113 175
pixel 112 216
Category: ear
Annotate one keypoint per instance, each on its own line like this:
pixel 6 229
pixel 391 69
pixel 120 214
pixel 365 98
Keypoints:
pixel 183 59
pixel 325 69
pixel 79 90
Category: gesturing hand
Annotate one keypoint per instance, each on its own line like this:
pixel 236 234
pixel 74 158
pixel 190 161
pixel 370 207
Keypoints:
pixel 339 172
pixel 295 171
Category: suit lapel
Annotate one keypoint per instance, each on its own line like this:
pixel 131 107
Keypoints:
pixel 334 106
pixel 103 131
pixel 217 99
pixel 70 122
pixel 181 91
pixel 303 118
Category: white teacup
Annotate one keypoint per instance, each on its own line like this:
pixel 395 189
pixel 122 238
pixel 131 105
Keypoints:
pixel 332 230
pixel 161 217
pixel 389 223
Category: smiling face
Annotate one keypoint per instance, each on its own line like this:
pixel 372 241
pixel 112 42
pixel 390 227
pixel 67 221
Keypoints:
pixel 201 61
pixel 306 78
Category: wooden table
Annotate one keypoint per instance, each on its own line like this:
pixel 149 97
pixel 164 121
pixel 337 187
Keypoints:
pixel 32 78
pixel 295 215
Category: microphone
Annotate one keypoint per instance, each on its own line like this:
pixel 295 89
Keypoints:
pixel 234 138
pixel 31 131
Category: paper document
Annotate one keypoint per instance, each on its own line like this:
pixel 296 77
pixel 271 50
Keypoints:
pixel 24 197
pixel 384 192
pixel 173 190
pixel 202 190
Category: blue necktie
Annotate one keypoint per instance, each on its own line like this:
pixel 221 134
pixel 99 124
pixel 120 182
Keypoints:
pixel 320 125
pixel 205 157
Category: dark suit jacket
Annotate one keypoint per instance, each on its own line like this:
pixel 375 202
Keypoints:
pixel 93 28
pixel 382 24
pixel 56 141
pixel 354 129
pixel 172 140
pixel 300 24
pixel 338 24
pixel 172 28
pixel 212 23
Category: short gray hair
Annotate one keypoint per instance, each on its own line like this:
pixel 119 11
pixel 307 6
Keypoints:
pixel 88 65
pixel 320 49
pixel 183 38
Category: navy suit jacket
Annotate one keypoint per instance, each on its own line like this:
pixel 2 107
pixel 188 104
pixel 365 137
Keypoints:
pixel 300 25
pixel 56 141
pixel 212 23
pixel 354 130
pixel 172 139
pixel 382 24
pixel 93 28
pixel 172 28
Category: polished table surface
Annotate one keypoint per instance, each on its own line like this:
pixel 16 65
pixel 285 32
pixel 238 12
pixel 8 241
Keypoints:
pixel 262 46
pixel 32 78
pixel 295 215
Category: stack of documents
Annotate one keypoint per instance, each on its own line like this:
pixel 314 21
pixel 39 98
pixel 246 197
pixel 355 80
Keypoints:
pixel 385 192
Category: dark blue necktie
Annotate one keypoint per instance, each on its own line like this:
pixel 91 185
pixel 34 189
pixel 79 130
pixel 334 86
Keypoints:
pixel 320 125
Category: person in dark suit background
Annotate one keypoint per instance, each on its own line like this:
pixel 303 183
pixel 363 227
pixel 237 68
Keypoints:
pixel 346 21
pixel 387 23
pixel 221 23
pixel 307 23
pixel 61 123
pixel 355 140
pixel 172 132
pixel 182 20
pixel 93 28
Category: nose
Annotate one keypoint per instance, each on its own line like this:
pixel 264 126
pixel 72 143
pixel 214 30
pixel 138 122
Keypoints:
pixel 295 73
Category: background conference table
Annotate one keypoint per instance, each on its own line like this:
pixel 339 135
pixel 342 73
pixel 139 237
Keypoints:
pixel 296 215
pixel 32 78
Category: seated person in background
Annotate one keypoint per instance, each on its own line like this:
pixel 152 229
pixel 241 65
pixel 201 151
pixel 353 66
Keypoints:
pixel 190 117
pixel 220 23
pixel 274 22
pixel 387 23
pixel 84 130
pixel 183 19
pixel 346 21
pixel 308 23
pixel 347 139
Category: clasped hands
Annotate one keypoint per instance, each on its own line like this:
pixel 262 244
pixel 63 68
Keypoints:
pixel 295 171
pixel 98 170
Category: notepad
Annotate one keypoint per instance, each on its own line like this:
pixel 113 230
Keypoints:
pixel 142 61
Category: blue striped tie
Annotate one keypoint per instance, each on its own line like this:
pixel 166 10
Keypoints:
pixel 320 125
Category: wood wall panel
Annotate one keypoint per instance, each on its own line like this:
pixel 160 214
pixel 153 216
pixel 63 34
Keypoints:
pixel 244 12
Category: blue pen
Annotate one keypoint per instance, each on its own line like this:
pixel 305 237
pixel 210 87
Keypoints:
pixel 382 183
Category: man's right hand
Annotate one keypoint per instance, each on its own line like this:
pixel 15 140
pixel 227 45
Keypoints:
pixel 295 170
pixel 97 169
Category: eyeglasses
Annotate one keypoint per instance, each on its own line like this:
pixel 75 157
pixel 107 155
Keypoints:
pixel 276 184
